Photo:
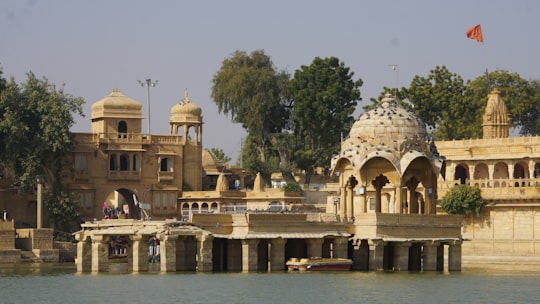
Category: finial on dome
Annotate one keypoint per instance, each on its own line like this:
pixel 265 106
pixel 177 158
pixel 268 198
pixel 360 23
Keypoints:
pixel 495 91
pixel 186 97
pixel 389 98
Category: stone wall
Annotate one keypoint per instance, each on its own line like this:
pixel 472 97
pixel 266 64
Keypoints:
pixel 66 251
pixel 503 231
pixel 7 235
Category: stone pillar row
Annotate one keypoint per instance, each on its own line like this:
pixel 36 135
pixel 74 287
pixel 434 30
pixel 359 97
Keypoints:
pixel 431 253
pixel 93 253
pixel 243 255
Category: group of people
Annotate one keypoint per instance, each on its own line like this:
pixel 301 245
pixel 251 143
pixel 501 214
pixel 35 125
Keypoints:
pixel 114 213
pixel 153 250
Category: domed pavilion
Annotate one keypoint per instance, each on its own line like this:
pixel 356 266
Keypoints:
pixel 388 168
pixel 389 159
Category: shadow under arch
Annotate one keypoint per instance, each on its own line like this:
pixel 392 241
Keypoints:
pixel 128 196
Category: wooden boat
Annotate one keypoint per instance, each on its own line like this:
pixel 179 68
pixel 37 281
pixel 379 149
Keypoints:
pixel 118 258
pixel 318 264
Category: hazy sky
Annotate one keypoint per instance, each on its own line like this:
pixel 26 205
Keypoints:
pixel 93 46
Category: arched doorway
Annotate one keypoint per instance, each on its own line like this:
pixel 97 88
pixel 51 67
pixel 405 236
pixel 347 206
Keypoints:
pixel 122 203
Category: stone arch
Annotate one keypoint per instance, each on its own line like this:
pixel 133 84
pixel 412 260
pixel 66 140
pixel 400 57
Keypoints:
pixel 124 162
pixel 500 171
pixel 421 182
pixel 481 171
pixel 191 133
pixel 537 170
pixel 185 209
pixel 521 170
pixel 122 126
pixel 123 199
pixel 461 173
pixel 113 163
pixel 136 164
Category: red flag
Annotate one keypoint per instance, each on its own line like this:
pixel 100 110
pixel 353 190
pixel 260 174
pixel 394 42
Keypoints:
pixel 475 33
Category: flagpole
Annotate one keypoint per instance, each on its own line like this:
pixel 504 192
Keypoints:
pixel 475 33
pixel 487 73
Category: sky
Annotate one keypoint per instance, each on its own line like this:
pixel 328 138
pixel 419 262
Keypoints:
pixel 93 46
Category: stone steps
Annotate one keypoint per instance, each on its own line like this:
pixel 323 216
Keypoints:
pixel 29 257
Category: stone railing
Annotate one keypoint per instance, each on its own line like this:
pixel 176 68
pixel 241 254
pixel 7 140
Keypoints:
pixel 122 138
pixel 123 175
pixel 394 219
pixel 488 142
pixel 499 189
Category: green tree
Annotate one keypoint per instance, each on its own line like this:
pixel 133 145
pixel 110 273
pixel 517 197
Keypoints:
pixel 253 162
pixel 530 120
pixel 253 92
pixel 292 186
pixel 325 96
pixel 35 118
pixel 463 199
pixel 220 155
pixel 439 100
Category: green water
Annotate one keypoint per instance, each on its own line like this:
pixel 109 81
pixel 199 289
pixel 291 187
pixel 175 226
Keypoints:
pixel 60 284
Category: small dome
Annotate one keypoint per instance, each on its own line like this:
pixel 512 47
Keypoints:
pixel 388 131
pixel 185 108
pixel 388 120
pixel 116 104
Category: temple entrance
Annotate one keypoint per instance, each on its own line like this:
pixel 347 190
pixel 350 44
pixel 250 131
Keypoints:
pixel 121 204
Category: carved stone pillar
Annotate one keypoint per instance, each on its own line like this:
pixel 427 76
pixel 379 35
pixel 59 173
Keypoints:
pixel 139 253
pixel 250 254
pixel 401 255
pixel 430 253
pixel 412 184
pixel 363 202
pixel 314 247
pixel 168 253
pixel 340 247
pixel 360 255
pixel 277 254
pixel 398 197
pixel 350 202
pixel 180 254
pixel 454 257
pixel 100 253
pixel 470 167
pixel 491 169
pixel 204 250
pixel 379 183
pixel 342 202
pixel 84 253
pixel 376 254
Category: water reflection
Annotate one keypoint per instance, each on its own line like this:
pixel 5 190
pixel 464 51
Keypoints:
pixel 58 283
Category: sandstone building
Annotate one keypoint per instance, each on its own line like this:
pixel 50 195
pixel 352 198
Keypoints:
pixel 507 170
pixel 384 217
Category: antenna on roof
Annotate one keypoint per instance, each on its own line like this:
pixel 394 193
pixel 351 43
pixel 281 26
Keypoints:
pixel 395 67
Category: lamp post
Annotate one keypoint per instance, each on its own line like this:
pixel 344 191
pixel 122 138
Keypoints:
pixel 148 84
pixel 39 201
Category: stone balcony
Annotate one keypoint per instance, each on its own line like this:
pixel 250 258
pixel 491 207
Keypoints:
pixel 499 189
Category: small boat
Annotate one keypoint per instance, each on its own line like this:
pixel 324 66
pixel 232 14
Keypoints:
pixel 118 258
pixel 318 264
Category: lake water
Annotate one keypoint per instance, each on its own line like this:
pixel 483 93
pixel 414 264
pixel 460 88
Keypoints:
pixel 59 283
